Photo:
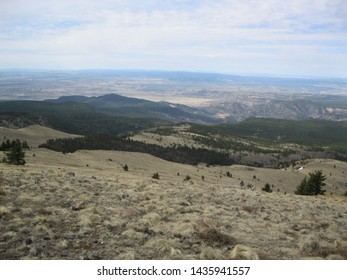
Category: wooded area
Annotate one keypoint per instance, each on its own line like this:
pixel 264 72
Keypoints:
pixel 181 154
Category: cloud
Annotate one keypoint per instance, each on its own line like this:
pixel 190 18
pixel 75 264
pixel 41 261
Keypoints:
pixel 187 35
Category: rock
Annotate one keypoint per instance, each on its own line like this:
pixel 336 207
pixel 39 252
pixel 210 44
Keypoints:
pixel 79 205
pixel 335 257
pixel 28 241
pixel 242 252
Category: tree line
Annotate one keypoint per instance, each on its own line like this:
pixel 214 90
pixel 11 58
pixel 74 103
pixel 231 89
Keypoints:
pixel 180 154
pixel 8 145
pixel 14 151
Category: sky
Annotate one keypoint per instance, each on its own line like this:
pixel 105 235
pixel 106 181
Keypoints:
pixel 266 37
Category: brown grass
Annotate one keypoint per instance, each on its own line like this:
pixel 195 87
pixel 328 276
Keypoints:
pixel 241 252
pixel 210 234
pixel 104 212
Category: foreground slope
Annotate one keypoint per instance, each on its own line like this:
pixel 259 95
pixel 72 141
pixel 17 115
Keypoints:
pixel 86 206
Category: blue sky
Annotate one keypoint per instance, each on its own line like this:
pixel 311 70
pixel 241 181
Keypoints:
pixel 295 38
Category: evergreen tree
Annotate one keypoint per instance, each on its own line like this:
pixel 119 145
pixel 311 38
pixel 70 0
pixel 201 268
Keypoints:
pixel 25 145
pixel 5 145
pixel 313 185
pixel 15 155
pixel 301 188
pixel 125 167
pixel 187 178
pixel 267 188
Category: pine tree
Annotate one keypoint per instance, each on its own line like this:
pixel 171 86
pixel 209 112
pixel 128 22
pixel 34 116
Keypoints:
pixel 313 185
pixel 15 155
pixel 25 145
pixel 301 188
pixel 267 188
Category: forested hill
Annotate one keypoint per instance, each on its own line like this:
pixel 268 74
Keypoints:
pixel 82 123
pixel 181 154
pixel 310 133
pixel 118 105
pixel 107 114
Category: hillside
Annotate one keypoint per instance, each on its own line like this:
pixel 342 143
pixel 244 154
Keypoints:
pixel 110 105
pixel 76 122
pixel 33 134
pixel 86 206
pixel 110 114
pixel 268 143
pixel 311 133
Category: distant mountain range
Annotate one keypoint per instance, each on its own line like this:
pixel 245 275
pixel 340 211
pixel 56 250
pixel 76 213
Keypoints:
pixel 299 109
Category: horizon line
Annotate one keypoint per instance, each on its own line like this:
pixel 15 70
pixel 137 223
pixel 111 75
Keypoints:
pixel 199 71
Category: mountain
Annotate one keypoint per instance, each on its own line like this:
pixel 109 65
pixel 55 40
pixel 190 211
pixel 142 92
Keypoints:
pixel 70 117
pixel 70 98
pixel 108 114
pixel 118 105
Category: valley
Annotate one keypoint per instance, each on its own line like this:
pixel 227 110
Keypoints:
pixel 221 97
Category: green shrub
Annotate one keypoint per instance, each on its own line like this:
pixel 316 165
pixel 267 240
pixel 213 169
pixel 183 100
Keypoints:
pixel 187 178
pixel 125 167
pixel 267 188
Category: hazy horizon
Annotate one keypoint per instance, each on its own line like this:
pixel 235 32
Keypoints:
pixel 240 74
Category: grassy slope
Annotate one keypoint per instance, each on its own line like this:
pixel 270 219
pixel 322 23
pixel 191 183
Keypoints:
pixel 84 205
pixel 56 207
pixel 33 134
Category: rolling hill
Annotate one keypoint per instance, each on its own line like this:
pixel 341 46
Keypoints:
pixel 33 134
pixel 84 205
pixel 311 133
pixel 117 105
pixel 109 114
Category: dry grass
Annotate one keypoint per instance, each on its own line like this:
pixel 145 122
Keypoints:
pixel 56 207
pixel 33 134
pixel 208 232
pixel 241 252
